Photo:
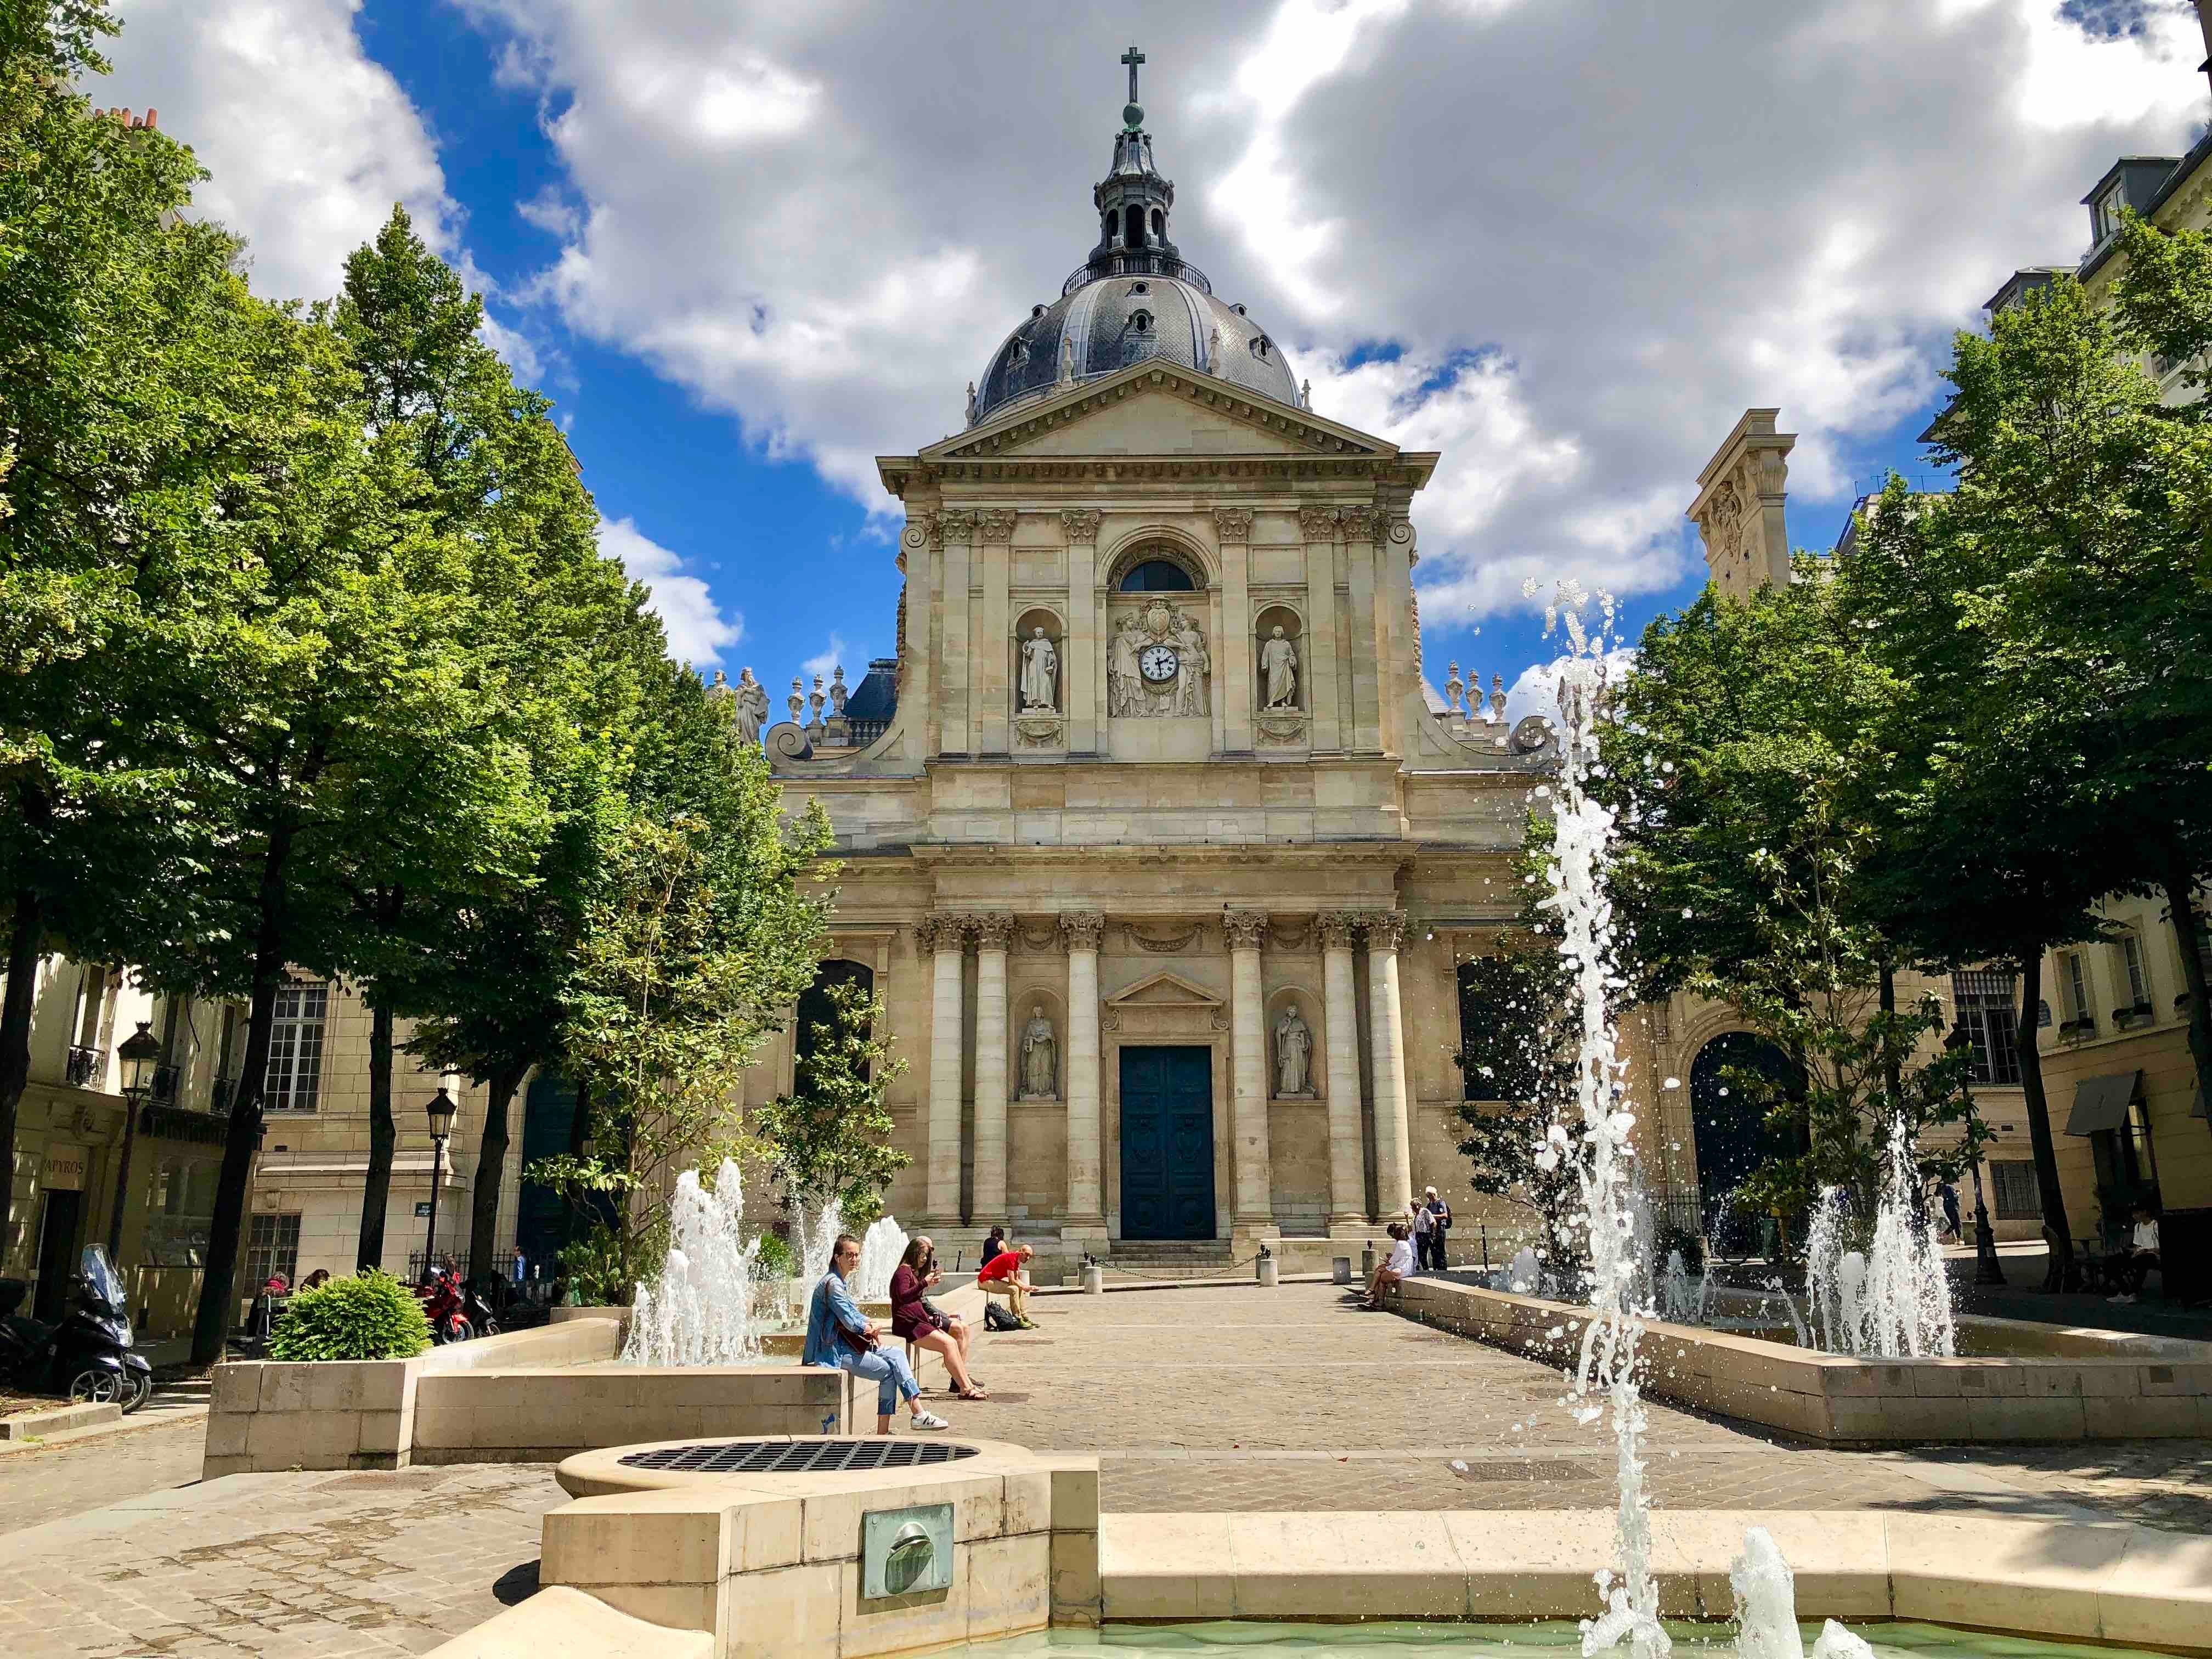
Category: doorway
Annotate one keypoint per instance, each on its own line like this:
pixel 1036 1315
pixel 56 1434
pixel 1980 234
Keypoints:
pixel 1167 1143
pixel 57 1263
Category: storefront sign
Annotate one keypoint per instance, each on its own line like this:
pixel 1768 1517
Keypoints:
pixel 64 1170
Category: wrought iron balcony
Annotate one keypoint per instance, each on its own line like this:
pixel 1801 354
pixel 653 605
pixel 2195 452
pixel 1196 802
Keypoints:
pixel 1137 264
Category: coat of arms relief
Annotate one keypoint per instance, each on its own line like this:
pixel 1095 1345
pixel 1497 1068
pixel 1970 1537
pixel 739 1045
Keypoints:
pixel 1159 665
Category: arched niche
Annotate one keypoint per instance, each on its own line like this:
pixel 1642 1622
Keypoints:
pixel 1286 617
pixel 1308 1003
pixel 1023 1003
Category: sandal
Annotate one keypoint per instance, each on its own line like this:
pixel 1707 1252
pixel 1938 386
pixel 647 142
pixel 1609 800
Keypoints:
pixel 976 1392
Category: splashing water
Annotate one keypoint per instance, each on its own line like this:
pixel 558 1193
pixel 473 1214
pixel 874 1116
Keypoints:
pixel 881 1247
pixel 1603 1160
pixel 1677 1301
pixel 699 1310
pixel 816 1243
pixel 1766 1609
pixel 1893 1301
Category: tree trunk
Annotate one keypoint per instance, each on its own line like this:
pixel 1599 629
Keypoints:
pixel 491 1170
pixel 376 1180
pixel 2189 926
pixel 218 1291
pixel 2060 1274
pixel 25 944
pixel 1893 1077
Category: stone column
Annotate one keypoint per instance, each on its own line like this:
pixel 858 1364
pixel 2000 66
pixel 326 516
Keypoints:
pixel 1081 930
pixel 1248 1105
pixel 1370 635
pixel 1323 697
pixel 1232 649
pixel 1347 1162
pixel 943 936
pixel 995 662
pixel 1386 1042
pixel 992 934
pixel 957 663
pixel 1079 669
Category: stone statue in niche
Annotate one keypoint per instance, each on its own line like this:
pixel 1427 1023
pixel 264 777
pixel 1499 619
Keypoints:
pixel 1040 1058
pixel 1278 665
pixel 1122 690
pixel 1039 674
pixel 1293 1055
pixel 750 706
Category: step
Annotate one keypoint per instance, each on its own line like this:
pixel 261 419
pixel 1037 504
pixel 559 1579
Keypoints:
pixel 57 1419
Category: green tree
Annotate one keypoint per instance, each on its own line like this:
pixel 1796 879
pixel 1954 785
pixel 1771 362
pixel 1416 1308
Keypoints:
pixel 705 925
pixel 830 1137
pixel 103 289
pixel 1520 1071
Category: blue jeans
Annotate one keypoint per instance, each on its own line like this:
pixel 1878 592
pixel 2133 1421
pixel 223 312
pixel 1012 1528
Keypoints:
pixel 887 1369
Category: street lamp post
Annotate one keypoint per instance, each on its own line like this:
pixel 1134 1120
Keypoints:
pixel 1988 1270
pixel 440 1110
pixel 137 1054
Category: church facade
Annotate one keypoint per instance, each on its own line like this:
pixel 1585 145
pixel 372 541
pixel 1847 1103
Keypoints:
pixel 1156 842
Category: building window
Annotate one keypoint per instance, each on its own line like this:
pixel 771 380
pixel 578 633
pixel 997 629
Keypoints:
pixel 2131 958
pixel 2074 991
pixel 2018 1196
pixel 1142 322
pixel 1158 576
pixel 2108 213
pixel 1260 345
pixel 1989 1009
pixel 295 1048
pixel 272 1248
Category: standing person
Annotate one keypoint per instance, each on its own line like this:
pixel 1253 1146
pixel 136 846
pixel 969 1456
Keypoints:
pixel 914 1321
pixel 839 1336
pixel 1005 1274
pixel 1421 1223
pixel 1440 1221
pixel 1947 1195
pixel 995 1243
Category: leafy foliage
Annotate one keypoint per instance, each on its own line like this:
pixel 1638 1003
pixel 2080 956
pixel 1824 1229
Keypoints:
pixel 371 1317
pixel 830 1138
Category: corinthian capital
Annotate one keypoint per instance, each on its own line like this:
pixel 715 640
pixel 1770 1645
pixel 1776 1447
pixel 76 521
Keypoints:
pixel 957 526
pixel 1362 524
pixel 1234 524
pixel 1081 523
pixel 1319 523
pixel 997 523
pixel 940 933
pixel 1082 929
pixel 1386 929
pixel 993 931
pixel 1337 928
pixel 1245 929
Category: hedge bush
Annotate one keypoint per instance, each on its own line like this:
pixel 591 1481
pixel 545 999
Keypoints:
pixel 373 1316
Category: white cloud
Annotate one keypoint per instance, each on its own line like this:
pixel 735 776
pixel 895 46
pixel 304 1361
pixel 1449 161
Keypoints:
pixel 831 657
pixel 1588 236
pixel 309 140
pixel 696 627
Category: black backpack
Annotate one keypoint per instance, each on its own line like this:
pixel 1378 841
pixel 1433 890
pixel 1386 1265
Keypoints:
pixel 996 1318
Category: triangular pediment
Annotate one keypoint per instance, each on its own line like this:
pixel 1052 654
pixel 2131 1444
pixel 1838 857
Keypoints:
pixel 1156 410
pixel 1163 989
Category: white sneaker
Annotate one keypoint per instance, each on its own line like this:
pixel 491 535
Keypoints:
pixel 924 1420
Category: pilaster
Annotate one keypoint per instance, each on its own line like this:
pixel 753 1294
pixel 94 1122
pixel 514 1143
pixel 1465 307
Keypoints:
pixel 956 700
pixel 1248 1108
pixel 995 663
pixel 1232 647
pixel 1319 526
pixel 1086 630
pixel 944 937
pixel 1081 931
pixel 1393 1157
pixel 992 934
pixel 1371 633
pixel 918 559
pixel 1347 1172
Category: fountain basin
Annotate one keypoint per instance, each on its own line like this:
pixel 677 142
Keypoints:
pixel 2029 1382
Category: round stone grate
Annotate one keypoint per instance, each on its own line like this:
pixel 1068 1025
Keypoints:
pixel 797 1456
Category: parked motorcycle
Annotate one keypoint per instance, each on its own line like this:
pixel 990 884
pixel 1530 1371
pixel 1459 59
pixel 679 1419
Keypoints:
pixel 482 1315
pixel 86 1354
pixel 445 1308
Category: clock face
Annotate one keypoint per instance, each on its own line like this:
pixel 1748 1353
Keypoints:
pixel 1158 663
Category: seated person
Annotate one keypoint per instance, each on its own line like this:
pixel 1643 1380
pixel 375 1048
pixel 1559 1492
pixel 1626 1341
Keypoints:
pixel 1004 1275
pixel 2130 1266
pixel 951 1324
pixel 914 1321
pixel 839 1336
pixel 1398 1267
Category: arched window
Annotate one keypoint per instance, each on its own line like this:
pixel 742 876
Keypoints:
pixel 815 1008
pixel 1260 345
pixel 1158 576
pixel 1109 221
pixel 1134 223
pixel 1159 222
pixel 1142 322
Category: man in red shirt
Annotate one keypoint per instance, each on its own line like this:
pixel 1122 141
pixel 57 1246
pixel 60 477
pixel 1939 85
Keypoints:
pixel 1004 1275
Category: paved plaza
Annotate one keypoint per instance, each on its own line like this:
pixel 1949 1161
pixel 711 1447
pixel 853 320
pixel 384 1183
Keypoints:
pixel 1232 1398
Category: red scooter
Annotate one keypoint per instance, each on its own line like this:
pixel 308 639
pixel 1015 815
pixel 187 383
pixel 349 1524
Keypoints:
pixel 442 1304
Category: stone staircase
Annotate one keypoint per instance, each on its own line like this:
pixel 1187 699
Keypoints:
pixel 1165 1258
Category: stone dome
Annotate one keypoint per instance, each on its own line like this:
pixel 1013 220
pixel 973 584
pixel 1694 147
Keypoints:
pixel 1123 319
pixel 1136 297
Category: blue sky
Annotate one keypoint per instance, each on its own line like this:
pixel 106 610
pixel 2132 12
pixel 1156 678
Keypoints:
pixel 747 248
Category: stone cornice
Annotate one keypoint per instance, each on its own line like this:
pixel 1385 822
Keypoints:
pixel 903 473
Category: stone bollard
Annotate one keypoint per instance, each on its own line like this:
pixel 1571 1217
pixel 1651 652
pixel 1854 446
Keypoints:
pixel 1270 1271
pixel 1339 1270
pixel 1094 1280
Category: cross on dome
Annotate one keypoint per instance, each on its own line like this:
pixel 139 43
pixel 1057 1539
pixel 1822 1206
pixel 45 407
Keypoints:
pixel 1133 116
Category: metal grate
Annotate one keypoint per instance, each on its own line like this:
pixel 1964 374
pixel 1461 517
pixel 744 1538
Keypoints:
pixel 797 1456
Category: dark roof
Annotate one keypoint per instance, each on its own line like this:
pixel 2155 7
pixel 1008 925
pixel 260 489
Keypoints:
pixel 2178 174
pixel 876 697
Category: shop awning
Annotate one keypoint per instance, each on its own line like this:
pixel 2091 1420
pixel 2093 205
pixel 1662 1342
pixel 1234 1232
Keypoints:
pixel 2101 1102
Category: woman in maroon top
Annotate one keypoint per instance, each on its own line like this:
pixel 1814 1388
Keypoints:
pixel 913 1319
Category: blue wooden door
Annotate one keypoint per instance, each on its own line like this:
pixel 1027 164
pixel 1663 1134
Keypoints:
pixel 1167 1143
